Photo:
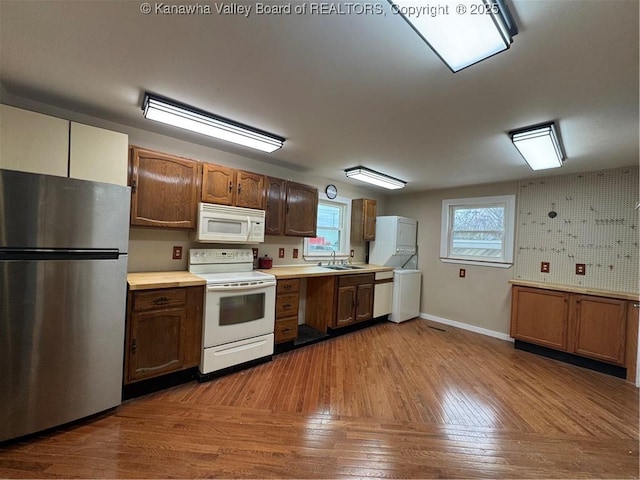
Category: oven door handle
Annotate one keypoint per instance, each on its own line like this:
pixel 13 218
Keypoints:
pixel 229 288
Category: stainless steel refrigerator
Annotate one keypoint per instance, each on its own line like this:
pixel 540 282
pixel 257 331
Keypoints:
pixel 63 264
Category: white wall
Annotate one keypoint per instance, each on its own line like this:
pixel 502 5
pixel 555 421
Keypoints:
pixel 482 299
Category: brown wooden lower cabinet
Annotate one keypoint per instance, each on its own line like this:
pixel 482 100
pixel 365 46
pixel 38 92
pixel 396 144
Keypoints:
pixel 587 325
pixel 354 302
pixel 287 302
pixel 164 331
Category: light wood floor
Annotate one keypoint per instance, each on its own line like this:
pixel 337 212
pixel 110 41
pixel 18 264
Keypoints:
pixel 401 401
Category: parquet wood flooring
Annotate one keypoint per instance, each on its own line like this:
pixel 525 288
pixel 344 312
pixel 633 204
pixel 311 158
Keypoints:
pixel 389 401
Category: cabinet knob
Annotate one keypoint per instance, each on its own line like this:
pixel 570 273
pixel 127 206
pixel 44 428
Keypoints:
pixel 239 187
pixel 636 305
pixel 160 300
pixel 287 306
pixel 134 345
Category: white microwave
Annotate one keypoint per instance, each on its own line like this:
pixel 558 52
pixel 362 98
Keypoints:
pixel 224 224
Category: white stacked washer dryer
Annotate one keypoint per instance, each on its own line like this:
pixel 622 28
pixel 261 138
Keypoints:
pixel 395 246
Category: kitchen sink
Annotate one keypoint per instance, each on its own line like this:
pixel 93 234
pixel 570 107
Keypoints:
pixel 341 267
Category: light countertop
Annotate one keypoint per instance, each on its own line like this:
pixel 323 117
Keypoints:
pixel 303 271
pixel 574 289
pixel 148 280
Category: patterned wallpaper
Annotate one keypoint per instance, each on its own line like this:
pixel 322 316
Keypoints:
pixel 596 224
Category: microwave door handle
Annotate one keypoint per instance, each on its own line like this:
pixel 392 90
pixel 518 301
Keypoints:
pixel 249 227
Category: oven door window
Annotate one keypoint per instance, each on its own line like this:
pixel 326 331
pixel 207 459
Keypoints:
pixel 241 308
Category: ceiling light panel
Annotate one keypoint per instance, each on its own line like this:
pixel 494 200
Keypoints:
pixel 539 145
pixel 375 178
pixel 189 118
pixel 461 33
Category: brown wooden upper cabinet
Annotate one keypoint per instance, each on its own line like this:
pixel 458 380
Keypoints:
pixel 164 189
pixel 227 186
pixel 363 220
pixel 291 208
pixel 275 206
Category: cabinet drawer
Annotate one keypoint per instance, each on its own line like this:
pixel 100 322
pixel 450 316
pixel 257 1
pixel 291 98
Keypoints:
pixel 287 305
pixel 286 329
pixel 288 286
pixel 348 280
pixel 170 297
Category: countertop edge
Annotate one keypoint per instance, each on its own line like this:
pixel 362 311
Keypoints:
pixel 171 279
pixel 308 271
pixel 574 289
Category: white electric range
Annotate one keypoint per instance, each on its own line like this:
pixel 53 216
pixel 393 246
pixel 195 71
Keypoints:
pixel 239 313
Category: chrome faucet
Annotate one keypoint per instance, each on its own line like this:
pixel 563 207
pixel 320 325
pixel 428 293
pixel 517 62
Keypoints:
pixel 333 255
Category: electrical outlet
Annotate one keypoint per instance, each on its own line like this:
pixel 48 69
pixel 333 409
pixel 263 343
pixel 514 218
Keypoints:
pixel 255 253
pixel 177 252
pixel 462 273
pixel 295 253
pixel 352 253
pixel 544 267
pixel 581 269
pixel 281 253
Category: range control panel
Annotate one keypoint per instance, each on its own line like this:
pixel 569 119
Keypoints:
pixel 199 256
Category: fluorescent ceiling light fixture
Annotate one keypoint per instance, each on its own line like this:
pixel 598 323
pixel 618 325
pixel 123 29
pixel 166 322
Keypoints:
pixel 376 178
pixel 460 32
pixel 183 116
pixel 539 145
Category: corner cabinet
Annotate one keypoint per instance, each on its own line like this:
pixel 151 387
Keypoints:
pixel 602 328
pixel 164 331
pixel 363 220
pixel 164 189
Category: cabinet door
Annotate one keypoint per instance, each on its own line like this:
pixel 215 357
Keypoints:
pixel 218 184
pixel 97 154
pixel 156 343
pixel 33 142
pixel 250 190
pixel 346 305
pixel 540 316
pixel 601 328
pixel 164 190
pixel 301 211
pixel 631 356
pixel 369 214
pixel 275 206
pixel 364 302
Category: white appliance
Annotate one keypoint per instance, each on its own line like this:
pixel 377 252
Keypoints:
pixel 395 246
pixel 395 243
pixel 225 224
pixel 382 294
pixel 239 308
pixel 406 295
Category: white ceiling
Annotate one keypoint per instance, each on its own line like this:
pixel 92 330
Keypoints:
pixel 344 90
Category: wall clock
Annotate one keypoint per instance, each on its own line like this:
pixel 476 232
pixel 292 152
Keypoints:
pixel 331 191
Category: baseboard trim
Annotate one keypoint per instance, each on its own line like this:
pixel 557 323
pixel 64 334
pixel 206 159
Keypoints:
pixel 466 326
